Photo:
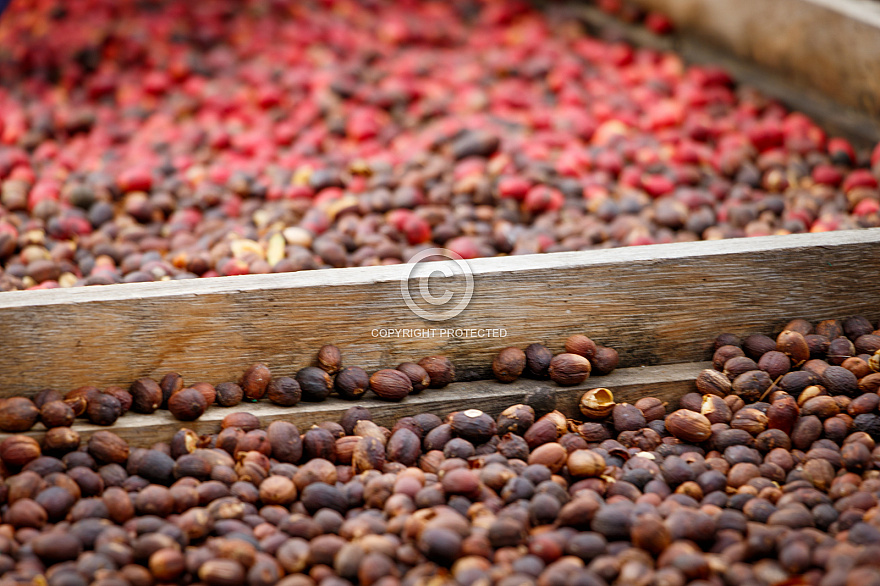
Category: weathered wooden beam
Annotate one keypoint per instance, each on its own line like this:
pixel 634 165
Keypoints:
pixel 660 304
pixel 667 382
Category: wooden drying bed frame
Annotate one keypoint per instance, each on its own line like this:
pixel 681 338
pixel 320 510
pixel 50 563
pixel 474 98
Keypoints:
pixel 818 57
pixel 660 306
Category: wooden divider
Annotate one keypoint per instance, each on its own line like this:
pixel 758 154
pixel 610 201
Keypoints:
pixel 667 382
pixel 660 304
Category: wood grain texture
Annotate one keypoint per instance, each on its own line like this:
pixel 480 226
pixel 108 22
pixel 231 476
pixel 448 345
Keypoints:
pixel 659 304
pixel 668 382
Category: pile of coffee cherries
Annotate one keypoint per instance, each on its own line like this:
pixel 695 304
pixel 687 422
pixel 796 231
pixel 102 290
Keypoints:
pixel 174 140
pixel 767 474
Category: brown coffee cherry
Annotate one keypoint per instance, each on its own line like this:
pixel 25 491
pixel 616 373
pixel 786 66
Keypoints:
pixel 418 376
pixel 390 385
pixel 509 364
pixel 552 455
pixel 440 370
pixel 329 359
pixel 712 382
pixel 57 414
pixel 715 409
pixel 473 425
pixel 229 394
pixel 815 366
pixel 187 405
pixel 538 359
pixel 857 366
pixel 513 446
pixel 750 420
pixel 107 447
pixel 725 353
pixel 87 392
pixel 627 417
pixel 796 381
pixel 170 384
pixel 167 564
pixel 56 546
pixel 604 361
pixel 569 369
pixel 756 345
pixel 345 449
pixel 584 463
pixel 774 363
pixel 352 416
pixel 25 513
pixel 516 419
pixel 352 383
pixel 222 572
pixel 783 414
pixel 809 393
pixel 822 406
pixel 284 391
pixel 277 490
pixel 818 345
pixel 580 345
pixel 369 454
pixel 866 403
pixel 285 441
pixel 793 345
pixel 315 383
pixel 870 383
pixel 839 350
pixel 17 414
pixel 46 396
pixel 403 446
pixel 435 439
pixel 597 403
pixel 751 385
pixel 652 408
pixel 255 381
pixel 104 410
pixel 208 391
pixel 541 432
pixel 738 365
pixel 559 420
pixel 867 344
pixel 830 328
pixel 692 401
pixel 840 381
pixel 460 481
pixel 688 426
pixel 121 395
pixel 799 325
pixel 856 326
pixel 146 395
pixel 61 440
pixel 18 450
pixel 806 430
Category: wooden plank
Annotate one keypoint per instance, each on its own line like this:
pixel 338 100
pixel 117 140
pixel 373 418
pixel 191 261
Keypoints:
pixel 668 382
pixel 697 43
pixel 658 304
